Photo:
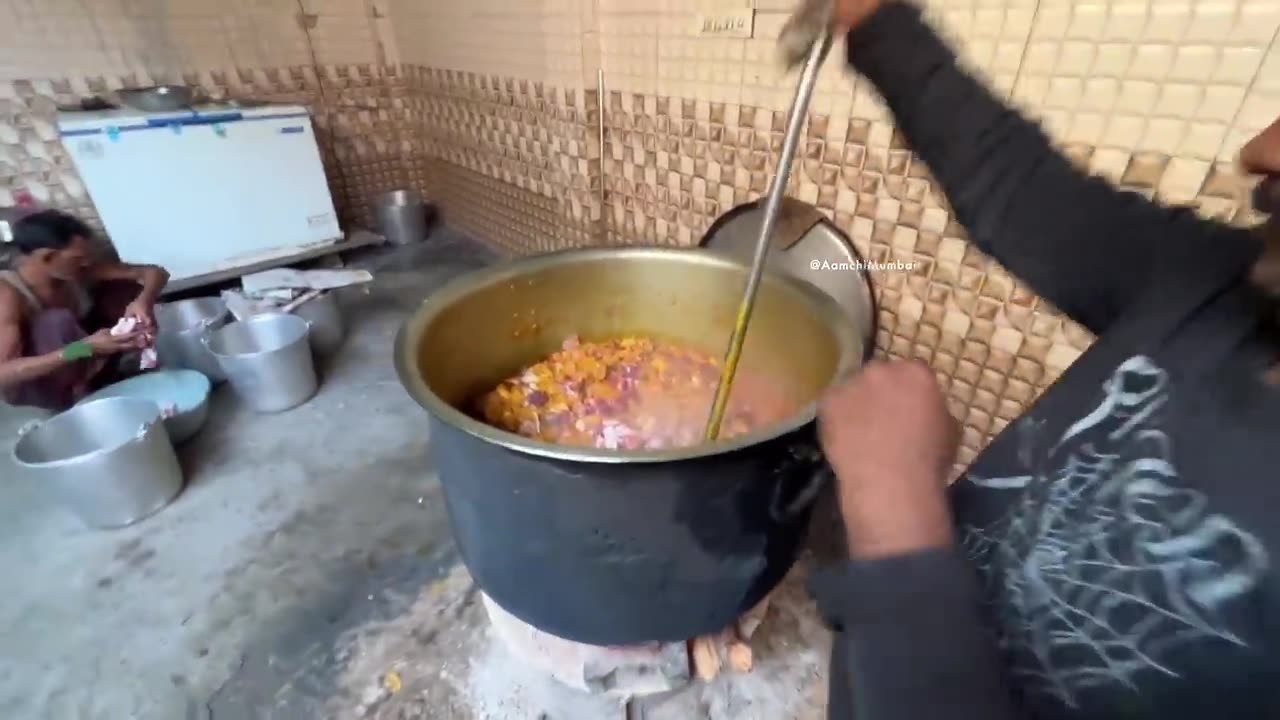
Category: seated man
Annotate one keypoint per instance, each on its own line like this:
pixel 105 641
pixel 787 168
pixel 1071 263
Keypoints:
pixel 57 307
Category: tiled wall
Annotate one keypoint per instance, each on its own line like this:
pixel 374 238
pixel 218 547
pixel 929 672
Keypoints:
pixel 1156 95
pixel 338 57
pixel 492 107
pixel 509 111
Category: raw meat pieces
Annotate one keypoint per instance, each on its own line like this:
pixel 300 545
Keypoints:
pixel 627 394
pixel 149 359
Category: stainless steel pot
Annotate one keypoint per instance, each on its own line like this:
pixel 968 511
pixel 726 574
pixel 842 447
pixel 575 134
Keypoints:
pixel 327 327
pixel 158 98
pixel 267 360
pixel 180 337
pixel 109 461
pixel 402 216
pixel 613 547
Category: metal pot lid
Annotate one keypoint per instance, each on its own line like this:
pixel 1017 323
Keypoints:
pixel 805 245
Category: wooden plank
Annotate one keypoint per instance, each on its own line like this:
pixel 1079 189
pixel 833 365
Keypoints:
pixel 357 239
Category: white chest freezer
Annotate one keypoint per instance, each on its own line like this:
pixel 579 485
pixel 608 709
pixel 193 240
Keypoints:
pixel 204 190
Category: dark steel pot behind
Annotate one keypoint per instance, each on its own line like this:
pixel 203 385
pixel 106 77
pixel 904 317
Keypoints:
pixel 608 547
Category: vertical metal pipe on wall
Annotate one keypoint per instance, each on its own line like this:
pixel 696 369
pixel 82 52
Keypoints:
pixel 602 231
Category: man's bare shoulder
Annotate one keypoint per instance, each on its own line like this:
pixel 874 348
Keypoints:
pixel 11 303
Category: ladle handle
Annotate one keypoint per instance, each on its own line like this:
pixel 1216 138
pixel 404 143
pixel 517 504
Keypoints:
pixel 773 203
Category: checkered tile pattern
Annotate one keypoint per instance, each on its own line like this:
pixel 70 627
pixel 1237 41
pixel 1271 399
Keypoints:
pixel 492 109
pixel 673 165
pixel 522 153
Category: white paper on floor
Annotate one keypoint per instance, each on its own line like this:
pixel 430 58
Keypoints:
pixel 291 279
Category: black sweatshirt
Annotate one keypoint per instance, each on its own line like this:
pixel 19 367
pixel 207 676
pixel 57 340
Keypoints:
pixel 1116 540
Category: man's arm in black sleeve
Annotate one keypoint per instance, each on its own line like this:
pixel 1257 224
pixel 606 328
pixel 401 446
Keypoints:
pixel 1085 246
pixel 909 641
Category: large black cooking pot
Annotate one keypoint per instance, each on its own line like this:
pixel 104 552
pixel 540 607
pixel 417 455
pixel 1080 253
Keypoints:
pixel 611 547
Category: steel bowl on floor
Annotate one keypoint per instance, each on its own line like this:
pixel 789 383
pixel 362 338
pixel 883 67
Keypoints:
pixel 182 327
pixel 186 390
pixel 109 461
pixel 267 360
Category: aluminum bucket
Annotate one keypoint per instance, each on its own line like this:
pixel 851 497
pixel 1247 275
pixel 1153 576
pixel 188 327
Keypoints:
pixel 267 360
pixel 109 461
pixel 328 329
pixel 402 217
pixel 182 327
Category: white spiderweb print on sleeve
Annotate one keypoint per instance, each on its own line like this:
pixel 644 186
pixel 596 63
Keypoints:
pixel 1105 564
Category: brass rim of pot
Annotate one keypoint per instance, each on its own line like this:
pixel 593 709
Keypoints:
pixel 409 338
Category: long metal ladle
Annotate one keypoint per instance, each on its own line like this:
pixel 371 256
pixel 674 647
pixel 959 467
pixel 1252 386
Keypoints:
pixel 773 201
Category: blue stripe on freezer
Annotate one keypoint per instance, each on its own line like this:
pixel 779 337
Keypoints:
pixel 154 123
pixel 195 120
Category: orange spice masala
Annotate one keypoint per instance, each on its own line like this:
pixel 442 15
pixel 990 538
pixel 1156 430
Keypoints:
pixel 628 393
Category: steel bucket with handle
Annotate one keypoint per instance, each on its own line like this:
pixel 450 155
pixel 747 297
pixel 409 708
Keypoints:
pixel 109 461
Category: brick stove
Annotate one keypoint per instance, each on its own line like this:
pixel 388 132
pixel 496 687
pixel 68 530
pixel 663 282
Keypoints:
pixel 455 654
pixel 634 671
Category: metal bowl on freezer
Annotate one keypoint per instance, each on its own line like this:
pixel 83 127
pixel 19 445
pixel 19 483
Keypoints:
pixel 158 98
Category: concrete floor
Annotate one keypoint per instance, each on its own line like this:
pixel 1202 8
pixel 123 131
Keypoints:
pixel 284 516
pixel 289 576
